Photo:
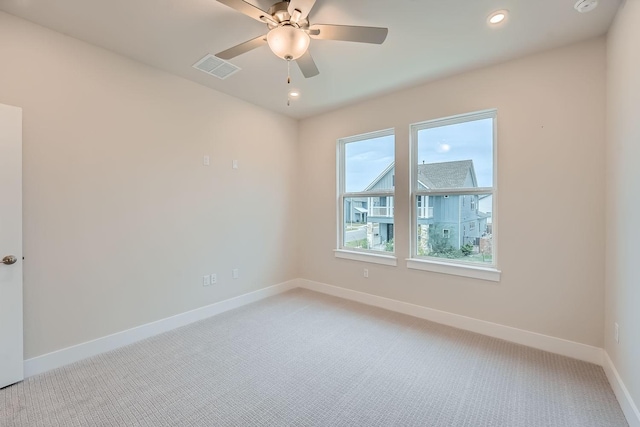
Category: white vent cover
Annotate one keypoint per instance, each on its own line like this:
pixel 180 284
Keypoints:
pixel 216 67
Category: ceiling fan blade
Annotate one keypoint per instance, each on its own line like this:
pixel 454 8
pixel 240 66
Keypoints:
pixel 304 6
pixel 307 65
pixel 242 48
pixel 348 33
pixel 248 9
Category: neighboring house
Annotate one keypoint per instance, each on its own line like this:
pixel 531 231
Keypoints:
pixel 355 210
pixel 381 208
pixel 456 218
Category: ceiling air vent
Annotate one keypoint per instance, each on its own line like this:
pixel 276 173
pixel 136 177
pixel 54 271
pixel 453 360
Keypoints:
pixel 216 67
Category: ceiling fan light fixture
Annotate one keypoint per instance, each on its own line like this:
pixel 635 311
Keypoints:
pixel 288 42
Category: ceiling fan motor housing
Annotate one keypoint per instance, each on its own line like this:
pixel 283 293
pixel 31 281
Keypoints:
pixel 280 13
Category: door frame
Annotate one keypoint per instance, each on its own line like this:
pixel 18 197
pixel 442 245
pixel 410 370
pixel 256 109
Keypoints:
pixel 11 278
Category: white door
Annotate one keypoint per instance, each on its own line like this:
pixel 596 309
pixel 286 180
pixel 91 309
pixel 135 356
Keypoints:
pixel 11 354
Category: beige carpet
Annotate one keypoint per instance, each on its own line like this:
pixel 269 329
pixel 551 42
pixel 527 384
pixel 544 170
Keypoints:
pixel 306 359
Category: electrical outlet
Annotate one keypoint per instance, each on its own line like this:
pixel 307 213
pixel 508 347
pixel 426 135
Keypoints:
pixel 234 164
pixel 616 332
pixel 214 279
pixel 206 280
pixel 235 273
pixel 206 161
pixel 366 272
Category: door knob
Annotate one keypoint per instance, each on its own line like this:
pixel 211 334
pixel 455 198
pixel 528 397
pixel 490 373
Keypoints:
pixel 9 259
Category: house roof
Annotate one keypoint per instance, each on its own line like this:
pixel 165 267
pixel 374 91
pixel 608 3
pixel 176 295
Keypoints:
pixel 438 175
pixel 391 167
pixel 446 174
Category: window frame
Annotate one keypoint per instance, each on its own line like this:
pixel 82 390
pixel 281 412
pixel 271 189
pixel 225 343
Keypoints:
pixel 487 271
pixel 359 254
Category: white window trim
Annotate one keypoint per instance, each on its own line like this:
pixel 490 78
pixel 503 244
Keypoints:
pixel 458 269
pixel 442 265
pixel 365 255
pixel 370 256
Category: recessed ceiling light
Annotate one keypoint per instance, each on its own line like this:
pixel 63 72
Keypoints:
pixel 292 95
pixel 497 17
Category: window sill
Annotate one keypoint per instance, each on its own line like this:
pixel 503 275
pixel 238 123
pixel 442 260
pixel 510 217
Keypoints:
pixel 482 273
pixel 366 257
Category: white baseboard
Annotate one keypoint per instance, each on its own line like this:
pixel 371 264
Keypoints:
pixel 548 343
pixel 622 394
pixel 576 350
pixel 81 351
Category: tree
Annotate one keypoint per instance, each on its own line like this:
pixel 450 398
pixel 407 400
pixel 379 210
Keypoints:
pixel 388 245
pixel 439 245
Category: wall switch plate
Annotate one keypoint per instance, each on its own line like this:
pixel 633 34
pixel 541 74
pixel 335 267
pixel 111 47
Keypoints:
pixel 214 279
pixel 206 161
pixel 366 272
pixel 235 273
pixel 234 164
pixel 206 280
pixel 616 332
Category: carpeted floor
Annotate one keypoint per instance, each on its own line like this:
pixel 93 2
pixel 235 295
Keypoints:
pixel 307 359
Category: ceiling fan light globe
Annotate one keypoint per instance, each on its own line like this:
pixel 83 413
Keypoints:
pixel 288 42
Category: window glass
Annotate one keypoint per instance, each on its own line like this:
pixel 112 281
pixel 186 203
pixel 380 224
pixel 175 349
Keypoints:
pixel 367 177
pixel 453 189
pixel 365 160
pixel 440 147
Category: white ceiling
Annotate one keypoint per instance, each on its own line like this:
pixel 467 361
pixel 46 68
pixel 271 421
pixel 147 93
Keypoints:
pixel 427 39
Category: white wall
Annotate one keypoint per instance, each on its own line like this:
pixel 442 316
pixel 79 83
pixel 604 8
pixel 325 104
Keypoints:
pixel 551 133
pixel 121 219
pixel 623 196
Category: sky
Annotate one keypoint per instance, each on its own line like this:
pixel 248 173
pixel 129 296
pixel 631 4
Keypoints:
pixel 365 160
pixel 462 141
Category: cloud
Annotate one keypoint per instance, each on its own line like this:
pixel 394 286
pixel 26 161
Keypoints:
pixel 443 148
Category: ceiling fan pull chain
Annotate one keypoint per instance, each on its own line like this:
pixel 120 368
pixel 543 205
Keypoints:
pixel 288 80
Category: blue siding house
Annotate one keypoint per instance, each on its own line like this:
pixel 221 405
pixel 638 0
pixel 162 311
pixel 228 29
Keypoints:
pixel 355 210
pixel 452 220
pixel 380 209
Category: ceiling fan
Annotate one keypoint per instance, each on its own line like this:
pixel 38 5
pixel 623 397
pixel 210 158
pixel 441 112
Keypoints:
pixel 290 32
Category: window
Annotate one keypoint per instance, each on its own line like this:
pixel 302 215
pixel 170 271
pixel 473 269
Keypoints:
pixel 366 188
pixel 453 167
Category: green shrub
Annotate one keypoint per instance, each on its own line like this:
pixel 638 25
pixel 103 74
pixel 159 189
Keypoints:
pixel 466 249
